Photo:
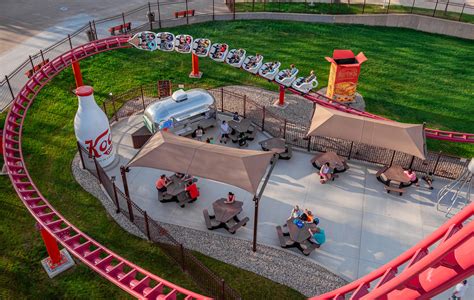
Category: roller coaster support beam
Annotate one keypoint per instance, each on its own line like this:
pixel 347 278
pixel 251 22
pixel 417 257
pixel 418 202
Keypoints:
pixel 281 99
pixel 76 69
pixel 58 261
pixel 195 71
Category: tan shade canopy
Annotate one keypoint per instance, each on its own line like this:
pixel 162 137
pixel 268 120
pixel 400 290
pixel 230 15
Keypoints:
pixel 241 168
pixel 406 138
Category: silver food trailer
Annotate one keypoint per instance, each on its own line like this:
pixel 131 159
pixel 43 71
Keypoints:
pixel 182 112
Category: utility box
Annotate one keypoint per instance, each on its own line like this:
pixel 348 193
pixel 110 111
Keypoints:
pixel 344 74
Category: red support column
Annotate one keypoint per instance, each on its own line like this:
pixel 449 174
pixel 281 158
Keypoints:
pixel 76 69
pixel 58 261
pixel 195 71
pixel 281 101
pixel 51 247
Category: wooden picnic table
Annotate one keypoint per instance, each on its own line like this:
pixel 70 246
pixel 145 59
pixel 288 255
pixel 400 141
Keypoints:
pixel 242 126
pixel 224 213
pixel 177 191
pixel 176 186
pixel 297 237
pixel 299 234
pixel 394 173
pixel 337 163
pixel 275 144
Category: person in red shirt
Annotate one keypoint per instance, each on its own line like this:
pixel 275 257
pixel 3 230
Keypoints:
pixel 230 198
pixel 192 191
pixel 162 183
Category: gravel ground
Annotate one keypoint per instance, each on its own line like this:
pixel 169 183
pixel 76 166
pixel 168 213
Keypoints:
pixel 299 110
pixel 277 264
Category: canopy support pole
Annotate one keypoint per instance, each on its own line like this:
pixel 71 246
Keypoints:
pixel 256 200
pixel 123 172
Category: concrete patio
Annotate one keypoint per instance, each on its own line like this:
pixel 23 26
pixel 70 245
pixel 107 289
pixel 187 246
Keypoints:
pixel 365 226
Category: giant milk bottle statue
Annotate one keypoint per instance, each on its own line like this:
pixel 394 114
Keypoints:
pixel 92 127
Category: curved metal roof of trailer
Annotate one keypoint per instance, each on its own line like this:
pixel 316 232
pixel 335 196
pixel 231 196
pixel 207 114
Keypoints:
pixel 181 105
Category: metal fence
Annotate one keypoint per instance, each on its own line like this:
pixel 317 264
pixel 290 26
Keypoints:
pixel 135 101
pixel 159 14
pixel 203 276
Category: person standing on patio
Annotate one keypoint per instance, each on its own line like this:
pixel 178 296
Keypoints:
pixel 459 290
pixel 199 133
pixel 224 132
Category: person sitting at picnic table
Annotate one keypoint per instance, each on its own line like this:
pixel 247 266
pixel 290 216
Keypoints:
pixel 325 173
pixel 230 198
pixel 224 132
pixel 242 140
pixel 192 191
pixel 162 183
pixel 235 116
pixel 412 176
pixel 188 177
pixel 309 216
pixel 179 175
pixel 318 236
pixel 296 212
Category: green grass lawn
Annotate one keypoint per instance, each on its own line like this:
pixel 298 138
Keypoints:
pixel 344 9
pixel 410 76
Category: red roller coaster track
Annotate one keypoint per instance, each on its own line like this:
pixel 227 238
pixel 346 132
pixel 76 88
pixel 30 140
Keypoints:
pixel 426 273
pixel 126 275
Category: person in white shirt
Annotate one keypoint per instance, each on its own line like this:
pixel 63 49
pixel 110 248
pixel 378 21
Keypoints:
pixel 224 132
pixel 459 291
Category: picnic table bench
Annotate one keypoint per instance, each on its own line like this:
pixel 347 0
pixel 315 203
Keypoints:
pixel 390 188
pixel 225 214
pixel 337 163
pixel 122 28
pixel 184 13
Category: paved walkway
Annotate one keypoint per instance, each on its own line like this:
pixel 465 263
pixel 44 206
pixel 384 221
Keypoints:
pixel 365 226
